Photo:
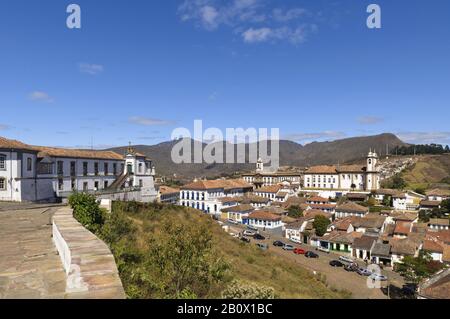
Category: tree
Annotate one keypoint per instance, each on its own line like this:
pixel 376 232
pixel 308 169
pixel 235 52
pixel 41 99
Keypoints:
pixel 320 224
pixel 295 211
pixel 387 200
pixel 398 182
pixel 185 260
pixel 416 269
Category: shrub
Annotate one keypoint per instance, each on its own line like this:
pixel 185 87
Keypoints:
pixel 239 290
pixel 87 211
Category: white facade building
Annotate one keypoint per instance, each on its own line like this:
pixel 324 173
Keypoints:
pixel 344 177
pixel 34 173
pixel 207 195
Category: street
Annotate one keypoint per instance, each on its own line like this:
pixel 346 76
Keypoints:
pixel 336 277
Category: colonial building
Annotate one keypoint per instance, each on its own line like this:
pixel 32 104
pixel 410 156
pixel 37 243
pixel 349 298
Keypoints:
pixel 345 177
pixel 262 178
pixel 207 195
pixel 35 173
pixel 168 195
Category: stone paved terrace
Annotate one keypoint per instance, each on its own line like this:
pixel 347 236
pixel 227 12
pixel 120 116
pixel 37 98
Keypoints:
pixel 29 265
pixel 31 268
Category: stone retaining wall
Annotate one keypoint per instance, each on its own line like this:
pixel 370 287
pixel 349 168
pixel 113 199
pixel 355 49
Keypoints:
pixel 89 264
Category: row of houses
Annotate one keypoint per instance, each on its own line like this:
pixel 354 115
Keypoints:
pixel 382 238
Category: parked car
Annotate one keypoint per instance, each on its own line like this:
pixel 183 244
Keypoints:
pixel 336 263
pixel 364 272
pixel 299 251
pixel 262 246
pixel 234 235
pixel 245 239
pixel 252 228
pixel 249 233
pixel 310 254
pixel 378 277
pixel 325 250
pixel 346 259
pixel 278 243
pixel 351 267
pixel 288 247
pixel 232 221
pixel 294 240
pixel 259 237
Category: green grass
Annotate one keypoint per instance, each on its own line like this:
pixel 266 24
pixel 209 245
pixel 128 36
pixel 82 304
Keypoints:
pixel 248 263
pixel 427 171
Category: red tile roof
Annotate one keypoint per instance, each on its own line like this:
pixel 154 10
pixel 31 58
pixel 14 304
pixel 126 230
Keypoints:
pixel 225 184
pixel 264 216
pixel 403 228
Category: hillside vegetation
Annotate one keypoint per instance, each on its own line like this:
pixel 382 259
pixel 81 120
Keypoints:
pixel 177 252
pixel 429 171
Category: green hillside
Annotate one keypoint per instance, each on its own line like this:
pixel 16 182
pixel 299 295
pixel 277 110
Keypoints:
pixel 137 232
pixel 428 171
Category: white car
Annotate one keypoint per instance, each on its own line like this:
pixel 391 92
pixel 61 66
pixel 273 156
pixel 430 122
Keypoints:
pixel 234 235
pixel 346 259
pixel 294 240
pixel 325 250
pixel 378 277
pixel 232 221
pixel 288 247
pixel 249 233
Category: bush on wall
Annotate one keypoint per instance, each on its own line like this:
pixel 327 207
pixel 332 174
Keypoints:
pixel 87 211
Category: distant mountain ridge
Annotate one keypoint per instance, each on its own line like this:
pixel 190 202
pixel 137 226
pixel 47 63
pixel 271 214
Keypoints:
pixel 291 154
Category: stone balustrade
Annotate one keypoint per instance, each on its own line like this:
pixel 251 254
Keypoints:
pixel 88 262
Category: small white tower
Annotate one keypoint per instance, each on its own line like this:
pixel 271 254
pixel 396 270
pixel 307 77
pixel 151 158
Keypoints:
pixel 372 161
pixel 259 165
pixel 372 176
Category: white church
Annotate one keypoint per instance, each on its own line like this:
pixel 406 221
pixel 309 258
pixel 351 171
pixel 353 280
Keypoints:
pixel 364 178
pixel 37 174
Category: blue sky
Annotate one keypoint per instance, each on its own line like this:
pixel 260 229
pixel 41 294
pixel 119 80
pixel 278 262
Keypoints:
pixel 138 69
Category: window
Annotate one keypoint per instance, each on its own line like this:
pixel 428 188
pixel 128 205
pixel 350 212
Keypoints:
pixel 85 168
pixel 73 184
pixel 106 167
pixel 29 164
pixel 115 169
pixel 85 186
pixel 60 166
pixel 2 184
pixel 96 169
pixel 96 185
pixel 140 168
pixel 105 184
pixel 45 168
pixel 141 183
pixel 2 162
pixel 60 184
pixel 73 169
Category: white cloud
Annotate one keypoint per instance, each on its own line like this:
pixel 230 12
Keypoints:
pixel 370 120
pixel 425 137
pixel 40 96
pixel 311 137
pixel 145 121
pixel 257 35
pixel 4 127
pixel 288 15
pixel 92 69
pixel 253 20
pixel 294 36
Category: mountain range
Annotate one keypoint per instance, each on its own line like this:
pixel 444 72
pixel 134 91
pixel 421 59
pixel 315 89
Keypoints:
pixel 292 154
